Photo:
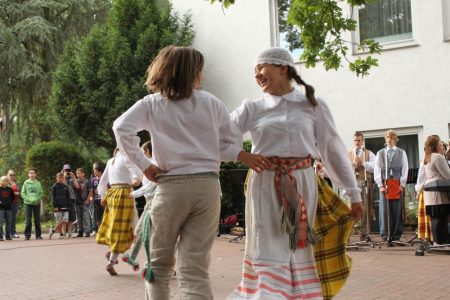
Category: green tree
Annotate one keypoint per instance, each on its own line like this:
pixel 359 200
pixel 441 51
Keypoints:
pixel 32 36
pixel 99 78
pixel 48 158
pixel 319 24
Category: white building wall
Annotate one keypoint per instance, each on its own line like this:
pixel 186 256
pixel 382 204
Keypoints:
pixel 409 89
pixel 408 92
pixel 230 39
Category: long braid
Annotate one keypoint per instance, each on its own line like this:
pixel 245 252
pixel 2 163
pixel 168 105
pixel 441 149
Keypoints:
pixel 309 90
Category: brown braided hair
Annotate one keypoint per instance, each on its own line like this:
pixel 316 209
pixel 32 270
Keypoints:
pixel 293 75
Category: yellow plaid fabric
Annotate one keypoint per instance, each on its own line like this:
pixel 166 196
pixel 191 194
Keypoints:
pixel 116 229
pixel 332 226
pixel 423 221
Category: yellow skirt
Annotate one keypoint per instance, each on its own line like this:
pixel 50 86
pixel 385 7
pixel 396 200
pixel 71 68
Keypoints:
pixel 116 230
pixel 423 221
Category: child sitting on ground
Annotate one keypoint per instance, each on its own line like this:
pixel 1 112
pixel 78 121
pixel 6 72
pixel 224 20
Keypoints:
pixel 60 201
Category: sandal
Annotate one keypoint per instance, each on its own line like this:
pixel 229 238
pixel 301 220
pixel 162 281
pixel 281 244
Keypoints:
pixel 110 269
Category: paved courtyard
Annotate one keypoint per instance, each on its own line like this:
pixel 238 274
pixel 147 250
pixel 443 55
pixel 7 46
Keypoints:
pixel 75 269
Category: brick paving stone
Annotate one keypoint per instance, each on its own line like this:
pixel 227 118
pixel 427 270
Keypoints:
pixel 75 269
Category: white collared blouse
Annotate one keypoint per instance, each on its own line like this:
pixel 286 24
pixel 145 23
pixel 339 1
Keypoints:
pixel 289 126
pixel 188 136
pixel 118 170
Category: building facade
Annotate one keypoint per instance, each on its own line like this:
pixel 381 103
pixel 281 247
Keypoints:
pixel 408 92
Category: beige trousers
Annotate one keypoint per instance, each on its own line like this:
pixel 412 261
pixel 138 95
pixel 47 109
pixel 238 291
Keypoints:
pixel 185 207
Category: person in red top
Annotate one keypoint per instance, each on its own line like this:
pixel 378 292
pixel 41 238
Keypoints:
pixel 16 204
pixel 6 199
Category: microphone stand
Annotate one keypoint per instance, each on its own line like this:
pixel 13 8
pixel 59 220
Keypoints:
pixel 365 192
pixel 389 242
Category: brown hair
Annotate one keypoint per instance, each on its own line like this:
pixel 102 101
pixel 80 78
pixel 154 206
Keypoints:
pixel 175 71
pixel 359 134
pixel 80 170
pixel 392 133
pixel 309 90
pixel 98 167
pixel 147 146
pixel 431 146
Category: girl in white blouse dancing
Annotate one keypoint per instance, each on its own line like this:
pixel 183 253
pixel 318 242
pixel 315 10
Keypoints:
pixel 289 128
pixel 191 132
pixel 116 229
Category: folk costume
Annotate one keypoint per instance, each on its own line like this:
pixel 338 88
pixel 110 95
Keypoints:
pixel 148 191
pixel 190 137
pixel 116 229
pixel 279 260
pixel 437 204
pixel 391 163
pixel 364 172
pixel 423 221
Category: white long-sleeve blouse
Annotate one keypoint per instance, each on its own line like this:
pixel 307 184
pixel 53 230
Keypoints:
pixel 118 170
pixel 289 126
pixel 189 136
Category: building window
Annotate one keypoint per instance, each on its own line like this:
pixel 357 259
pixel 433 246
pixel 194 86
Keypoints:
pixel 288 35
pixel 446 19
pixel 385 21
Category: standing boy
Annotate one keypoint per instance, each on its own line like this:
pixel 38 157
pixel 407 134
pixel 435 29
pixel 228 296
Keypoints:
pixel 363 164
pixel 391 164
pixel 60 201
pixel 32 195
pixel 6 200
pixel 83 217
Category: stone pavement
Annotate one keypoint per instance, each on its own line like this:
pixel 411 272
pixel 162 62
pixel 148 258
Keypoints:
pixel 75 269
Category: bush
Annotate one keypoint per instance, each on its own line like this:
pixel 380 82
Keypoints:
pixel 11 157
pixel 48 158
pixel 233 199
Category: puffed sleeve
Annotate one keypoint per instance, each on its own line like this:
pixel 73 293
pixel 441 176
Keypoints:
pixel 126 127
pixel 102 187
pixel 333 153
pixel 230 140
pixel 241 117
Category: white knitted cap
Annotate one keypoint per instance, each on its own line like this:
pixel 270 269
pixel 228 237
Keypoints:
pixel 275 56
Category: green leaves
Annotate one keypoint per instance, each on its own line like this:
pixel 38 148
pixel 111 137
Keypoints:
pixel 107 71
pixel 317 27
pixel 225 3
pixel 32 37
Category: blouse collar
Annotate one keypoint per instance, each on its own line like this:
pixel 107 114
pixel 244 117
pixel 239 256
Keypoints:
pixel 271 101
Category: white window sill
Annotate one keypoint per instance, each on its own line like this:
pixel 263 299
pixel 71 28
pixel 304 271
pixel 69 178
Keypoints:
pixel 390 46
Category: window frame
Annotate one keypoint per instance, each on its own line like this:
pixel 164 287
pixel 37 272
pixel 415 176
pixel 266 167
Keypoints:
pixel 412 130
pixel 445 4
pixel 410 42
pixel 275 34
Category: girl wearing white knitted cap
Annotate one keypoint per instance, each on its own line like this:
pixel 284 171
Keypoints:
pixel 287 207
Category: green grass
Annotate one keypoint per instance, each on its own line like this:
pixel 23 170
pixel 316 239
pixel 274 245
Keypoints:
pixel 20 226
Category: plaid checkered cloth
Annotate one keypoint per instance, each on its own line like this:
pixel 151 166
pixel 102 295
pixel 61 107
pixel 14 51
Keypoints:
pixel 332 226
pixel 423 221
pixel 116 230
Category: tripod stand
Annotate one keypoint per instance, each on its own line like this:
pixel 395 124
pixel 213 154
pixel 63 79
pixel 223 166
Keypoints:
pixel 389 242
pixel 366 199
